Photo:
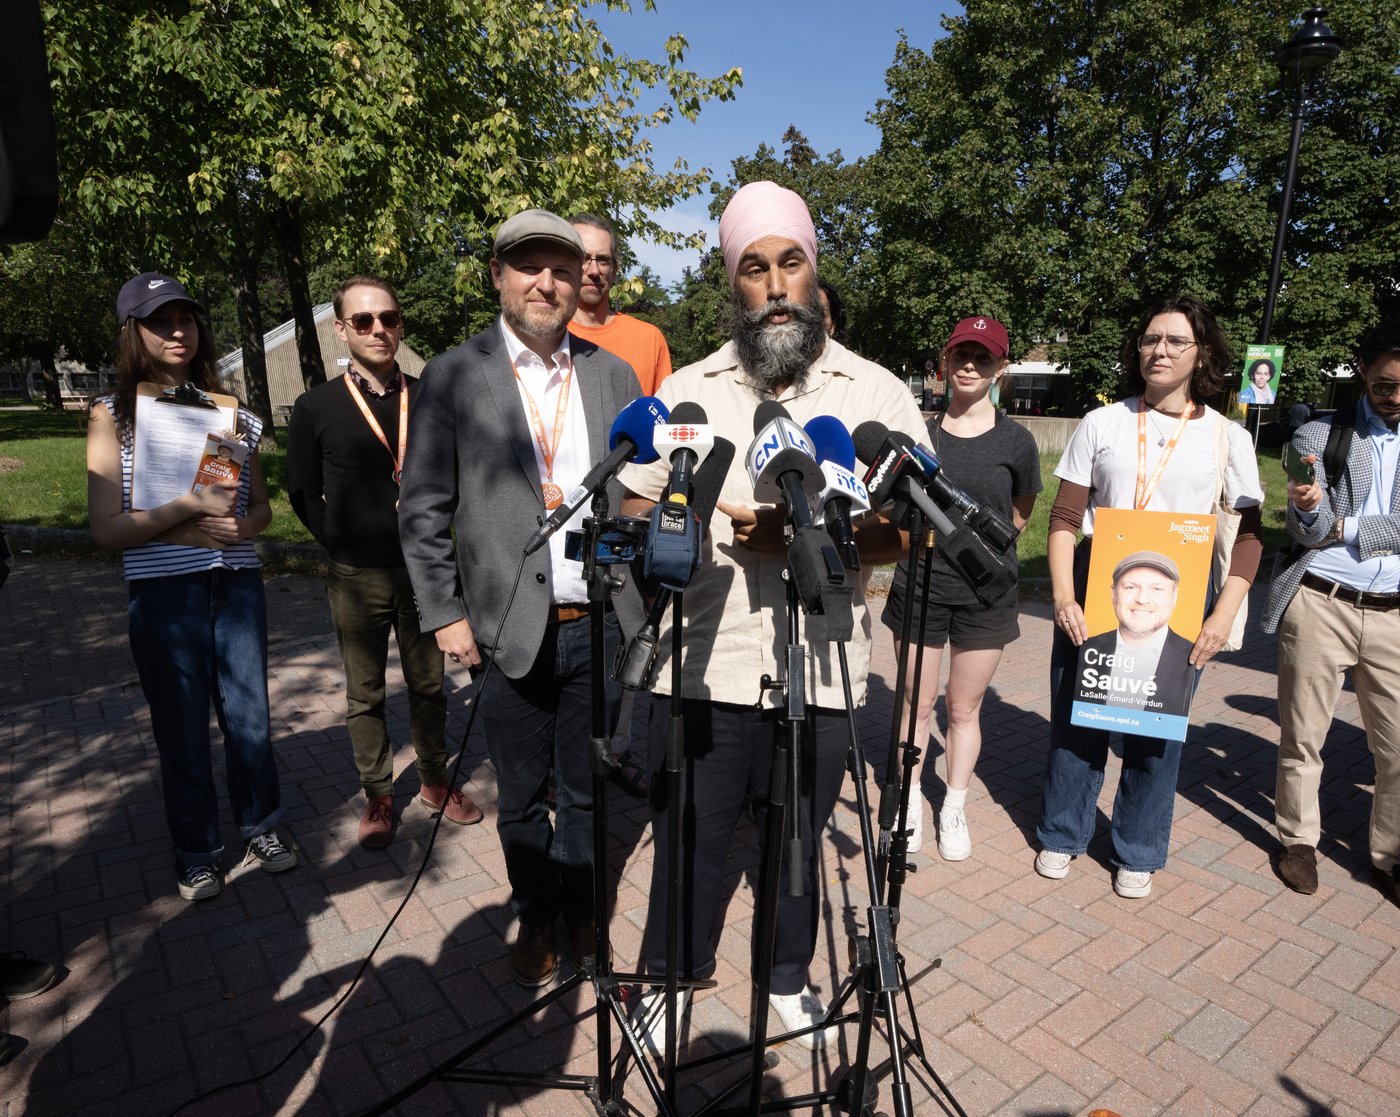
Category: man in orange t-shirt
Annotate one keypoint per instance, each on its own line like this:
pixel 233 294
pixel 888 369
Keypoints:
pixel 638 343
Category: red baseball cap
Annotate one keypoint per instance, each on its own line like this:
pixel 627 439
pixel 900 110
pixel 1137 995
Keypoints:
pixel 987 332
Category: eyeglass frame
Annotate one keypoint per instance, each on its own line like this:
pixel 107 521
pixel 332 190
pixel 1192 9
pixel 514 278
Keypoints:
pixel 1176 346
pixel 1392 388
pixel 369 317
pixel 598 262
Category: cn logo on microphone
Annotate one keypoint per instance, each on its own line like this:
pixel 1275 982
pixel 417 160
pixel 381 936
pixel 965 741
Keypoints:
pixel 779 435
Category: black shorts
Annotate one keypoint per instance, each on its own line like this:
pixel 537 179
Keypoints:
pixel 968 627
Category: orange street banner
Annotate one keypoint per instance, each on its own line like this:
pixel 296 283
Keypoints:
pixel 1148 577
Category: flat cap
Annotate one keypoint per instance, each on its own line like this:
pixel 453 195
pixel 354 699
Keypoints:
pixel 1153 559
pixel 537 225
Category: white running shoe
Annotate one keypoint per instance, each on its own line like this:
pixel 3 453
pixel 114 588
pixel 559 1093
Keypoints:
pixel 1131 885
pixel 802 1010
pixel 1052 865
pixel 649 1018
pixel 954 842
pixel 916 819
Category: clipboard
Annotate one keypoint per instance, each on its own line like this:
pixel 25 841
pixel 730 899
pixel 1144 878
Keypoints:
pixel 167 446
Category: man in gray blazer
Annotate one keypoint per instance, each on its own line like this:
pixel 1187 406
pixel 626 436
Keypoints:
pixel 504 426
pixel 1335 603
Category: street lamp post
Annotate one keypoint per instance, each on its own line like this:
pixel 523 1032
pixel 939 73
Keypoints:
pixel 1303 61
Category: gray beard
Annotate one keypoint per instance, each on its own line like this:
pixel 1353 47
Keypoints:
pixel 775 355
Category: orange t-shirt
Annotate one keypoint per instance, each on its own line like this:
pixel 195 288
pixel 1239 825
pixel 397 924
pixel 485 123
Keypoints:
pixel 638 343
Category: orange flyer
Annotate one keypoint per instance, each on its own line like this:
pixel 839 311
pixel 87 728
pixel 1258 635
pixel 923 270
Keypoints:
pixel 222 461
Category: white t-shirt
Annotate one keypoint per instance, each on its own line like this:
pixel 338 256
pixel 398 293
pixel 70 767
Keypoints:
pixel 1102 454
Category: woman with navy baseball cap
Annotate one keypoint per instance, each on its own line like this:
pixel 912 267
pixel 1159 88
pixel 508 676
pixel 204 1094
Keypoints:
pixel 197 616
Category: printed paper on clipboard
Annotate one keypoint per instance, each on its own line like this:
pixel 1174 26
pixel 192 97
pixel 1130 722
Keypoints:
pixel 1148 577
pixel 169 438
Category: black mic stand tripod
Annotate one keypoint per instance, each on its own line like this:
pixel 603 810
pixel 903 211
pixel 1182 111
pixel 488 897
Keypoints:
pixel 597 969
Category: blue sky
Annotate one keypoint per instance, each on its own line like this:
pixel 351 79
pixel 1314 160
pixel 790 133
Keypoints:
pixel 819 65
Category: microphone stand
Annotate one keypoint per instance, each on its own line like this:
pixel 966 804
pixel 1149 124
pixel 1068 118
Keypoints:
pixel 597 969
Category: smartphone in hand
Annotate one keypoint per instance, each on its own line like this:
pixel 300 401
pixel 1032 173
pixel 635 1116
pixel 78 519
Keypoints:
pixel 1296 465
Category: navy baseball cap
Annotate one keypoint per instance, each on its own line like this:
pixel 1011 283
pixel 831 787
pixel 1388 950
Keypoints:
pixel 142 296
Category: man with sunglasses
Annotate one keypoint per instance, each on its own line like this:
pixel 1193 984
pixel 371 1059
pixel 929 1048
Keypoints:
pixel 345 452
pixel 1335 603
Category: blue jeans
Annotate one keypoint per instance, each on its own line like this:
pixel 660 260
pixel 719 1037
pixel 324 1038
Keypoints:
pixel 198 638
pixel 1141 825
pixel 538 725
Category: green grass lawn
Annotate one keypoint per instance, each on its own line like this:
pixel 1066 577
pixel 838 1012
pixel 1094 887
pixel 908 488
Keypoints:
pixel 43 475
pixel 43 482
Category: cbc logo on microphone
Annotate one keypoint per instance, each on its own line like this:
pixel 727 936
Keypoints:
pixel 683 434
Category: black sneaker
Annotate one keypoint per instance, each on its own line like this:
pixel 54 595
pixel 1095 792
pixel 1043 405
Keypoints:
pixel 199 882
pixel 269 852
pixel 22 977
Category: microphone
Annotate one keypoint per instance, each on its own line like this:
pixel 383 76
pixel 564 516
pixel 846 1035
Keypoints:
pixel 782 463
pixel 783 467
pixel 685 440
pixel 896 477
pixel 842 491
pixel 636 662
pixel 995 528
pixel 629 440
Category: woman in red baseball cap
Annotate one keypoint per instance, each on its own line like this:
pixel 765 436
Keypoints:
pixel 197 615
pixel 995 460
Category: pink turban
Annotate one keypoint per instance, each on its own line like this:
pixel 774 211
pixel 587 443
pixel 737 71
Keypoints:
pixel 764 209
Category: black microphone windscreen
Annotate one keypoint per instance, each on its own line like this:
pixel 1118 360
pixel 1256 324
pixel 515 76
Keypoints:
pixel 766 412
pixel 688 412
pixel 709 480
pixel 869 437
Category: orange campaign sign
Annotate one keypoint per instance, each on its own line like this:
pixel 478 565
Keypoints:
pixel 1149 574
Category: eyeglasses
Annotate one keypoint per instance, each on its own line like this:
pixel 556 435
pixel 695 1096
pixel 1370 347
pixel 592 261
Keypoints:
pixel 364 321
pixel 602 263
pixel 1176 346
pixel 1384 388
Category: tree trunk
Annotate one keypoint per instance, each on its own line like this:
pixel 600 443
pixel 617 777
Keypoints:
pixel 288 217
pixel 53 389
pixel 243 278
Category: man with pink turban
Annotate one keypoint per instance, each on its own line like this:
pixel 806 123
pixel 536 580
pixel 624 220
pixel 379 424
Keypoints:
pixel 735 605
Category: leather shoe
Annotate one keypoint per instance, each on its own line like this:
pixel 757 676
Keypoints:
pixel 1297 868
pixel 583 941
pixel 377 823
pixel 453 805
pixel 532 955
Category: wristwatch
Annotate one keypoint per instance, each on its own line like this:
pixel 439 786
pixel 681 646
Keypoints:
pixel 1335 532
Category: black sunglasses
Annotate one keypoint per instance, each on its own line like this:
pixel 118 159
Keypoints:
pixel 391 320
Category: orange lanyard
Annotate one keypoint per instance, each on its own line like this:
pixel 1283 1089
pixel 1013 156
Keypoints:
pixel 548 448
pixel 374 423
pixel 1146 486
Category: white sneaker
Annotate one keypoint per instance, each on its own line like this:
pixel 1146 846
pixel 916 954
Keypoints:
pixel 649 1018
pixel 1052 865
pixel 954 842
pixel 1131 885
pixel 916 820
pixel 802 1010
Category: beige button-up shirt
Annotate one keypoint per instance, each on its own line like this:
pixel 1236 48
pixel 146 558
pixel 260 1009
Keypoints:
pixel 735 608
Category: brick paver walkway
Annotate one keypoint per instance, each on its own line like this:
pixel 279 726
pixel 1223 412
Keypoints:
pixel 1224 993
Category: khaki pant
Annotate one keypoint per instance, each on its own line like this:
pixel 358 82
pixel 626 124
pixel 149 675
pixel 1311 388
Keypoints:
pixel 1320 638
pixel 367 604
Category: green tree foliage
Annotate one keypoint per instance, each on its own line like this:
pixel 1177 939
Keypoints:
pixel 697 321
pixel 1120 152
pixel 197 135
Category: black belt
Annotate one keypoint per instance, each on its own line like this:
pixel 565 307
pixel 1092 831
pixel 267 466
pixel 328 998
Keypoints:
pixel 1362 599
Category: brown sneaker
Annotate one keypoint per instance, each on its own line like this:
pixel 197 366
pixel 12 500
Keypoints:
pixel 377 823
pixel 532 954
pixel 455 806
pixel 1297 868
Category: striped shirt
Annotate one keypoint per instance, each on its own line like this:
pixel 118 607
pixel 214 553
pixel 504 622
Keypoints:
pixel 162 560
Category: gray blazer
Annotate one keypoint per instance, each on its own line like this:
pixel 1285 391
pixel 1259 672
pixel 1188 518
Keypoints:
pixel 1341 496
pixel 470 468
